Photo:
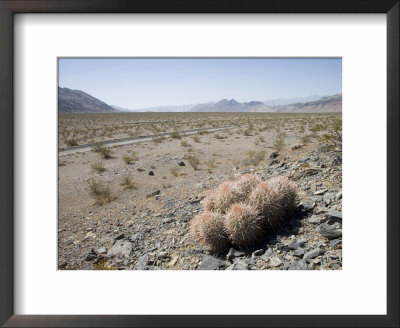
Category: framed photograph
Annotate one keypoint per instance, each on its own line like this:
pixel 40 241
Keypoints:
pixel 189 164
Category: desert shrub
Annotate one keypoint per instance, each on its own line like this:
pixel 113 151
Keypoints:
pixel 279 143
pixel 103 265
pixel 193 161
pixel 247 133
pixel 100 192
pixel 158 140
pixel 211 163
pixel 175 135
pixel 105 152
pixel 128 183
pixel 196 139
pixel 184 143
pixel 248 209
pixel 254 158
pixel 72 142
pixel 174 171
pixel 98 167
pixel 333 137
pixel 129 159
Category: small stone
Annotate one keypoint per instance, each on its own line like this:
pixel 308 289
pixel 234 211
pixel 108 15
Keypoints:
pixel 329 232
pixel 210 263
pixel 315 219
pixel 151 173
pixel 171 263
pixel 273 155
pixel 90 257
pixel 307 206
pixel 256 253
pixel 102 250
pixel 154 193
pixel 313 254
pixel 298 265
pixel 336 243
pixel 167 220
pixel 320 192
pixel 239 265
pixel 299 252
pixel 338 195
pixel 121 248
pixel 275 262
pixel 120 236
pixel 297 244
pixel 181 163
pixel 333 216
pixel 267 254
pixel 233 253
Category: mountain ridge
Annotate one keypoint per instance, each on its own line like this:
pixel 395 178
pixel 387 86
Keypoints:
pixel 77 101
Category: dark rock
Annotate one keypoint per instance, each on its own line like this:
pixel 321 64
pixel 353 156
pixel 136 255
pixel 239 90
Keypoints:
pixel 313 254
pixel 120 236
pixel 273 155
pixel 151 173
pixel 121 248
pixel 256 253
pixel 210 263
pixel 154 193
pixel 307 206
pixel 141 263
pixel 63 265
pixel 90 257
pixel 299 252
pixel 333 216
pixel 329 232
pixel 233 253
pixel 336 243
pixel 315 219
pixel 167 220
pixel 181 163
pixel 298 265
pixel 297 244
pixel 267 254
pixel 239 265
pixel 273 162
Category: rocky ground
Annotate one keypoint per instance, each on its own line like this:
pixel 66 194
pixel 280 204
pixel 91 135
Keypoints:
pixel 150 230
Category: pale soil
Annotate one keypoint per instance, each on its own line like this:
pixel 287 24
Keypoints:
pixel 83 225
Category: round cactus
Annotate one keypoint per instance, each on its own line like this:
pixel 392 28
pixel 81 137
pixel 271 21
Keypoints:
pixel 221 198
pixel 242 211
pixel 244 225
pixel 208 229
pixel 245 184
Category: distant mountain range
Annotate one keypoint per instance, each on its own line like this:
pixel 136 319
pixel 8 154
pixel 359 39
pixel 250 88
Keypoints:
pixel 287 101
pixel 76 101
pixel 322 105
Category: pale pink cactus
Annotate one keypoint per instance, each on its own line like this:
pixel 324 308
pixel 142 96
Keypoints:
pixel 246 183
pixel 244 225
pixel 243 211
pixel 208 229
pixel 221 198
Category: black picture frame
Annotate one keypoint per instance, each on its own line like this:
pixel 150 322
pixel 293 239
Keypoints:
pixel 10 7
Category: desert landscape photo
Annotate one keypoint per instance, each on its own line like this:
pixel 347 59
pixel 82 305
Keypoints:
pixel 199 164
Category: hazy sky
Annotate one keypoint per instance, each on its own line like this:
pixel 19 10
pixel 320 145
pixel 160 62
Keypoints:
pixel 138 83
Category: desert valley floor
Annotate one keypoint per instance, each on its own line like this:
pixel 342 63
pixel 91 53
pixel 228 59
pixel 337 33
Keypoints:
pixel 127 204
